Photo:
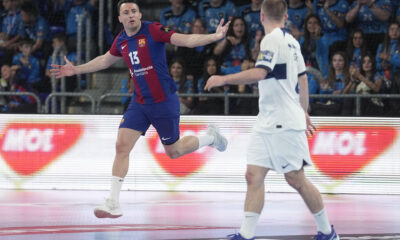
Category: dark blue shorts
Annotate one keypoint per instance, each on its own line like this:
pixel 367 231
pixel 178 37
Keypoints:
pixel 163 116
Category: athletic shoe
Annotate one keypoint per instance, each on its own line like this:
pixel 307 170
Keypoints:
pixel 220 141
pixel 331 236
pixel 110 209
pixel 237 236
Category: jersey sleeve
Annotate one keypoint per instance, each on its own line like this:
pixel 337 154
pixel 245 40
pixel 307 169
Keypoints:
pixel 268 53
pixel 161 33
pixel 114 48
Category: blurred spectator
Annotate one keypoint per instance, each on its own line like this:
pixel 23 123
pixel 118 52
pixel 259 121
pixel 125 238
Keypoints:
pixel 356 47
pixel 313 47
pixel 234 48
pixel 36 28
pixel 5 83
pixel 74 10
pixel 28 66
pixel 17 104
pixel 248 106
pixel 338 82
pixel 388 54
pixel 212 11
pixel 368 81
pixel 178 16
pixel 297 12
pixel 251 15
pixel 398 15
pixel 11 22
pixel 195 57
pixel 127 87
pixel 332 14
pixel 209 105
pixel 60 43
pixel 183 84
pixel 372 17
pixel 255 50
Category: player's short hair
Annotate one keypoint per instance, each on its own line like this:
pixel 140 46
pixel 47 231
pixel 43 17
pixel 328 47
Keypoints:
pixel 275 10
pixel 120 2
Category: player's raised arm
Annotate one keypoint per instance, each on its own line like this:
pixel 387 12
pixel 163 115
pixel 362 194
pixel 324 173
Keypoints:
pixel 195 40
pixel 96 64
pixel 246 77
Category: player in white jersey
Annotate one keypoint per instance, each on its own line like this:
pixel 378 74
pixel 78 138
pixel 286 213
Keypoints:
pixel 278 141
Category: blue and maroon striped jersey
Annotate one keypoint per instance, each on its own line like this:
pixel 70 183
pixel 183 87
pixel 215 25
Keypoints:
pixel 145 55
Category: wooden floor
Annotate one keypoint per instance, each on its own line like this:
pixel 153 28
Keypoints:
pixel 62 215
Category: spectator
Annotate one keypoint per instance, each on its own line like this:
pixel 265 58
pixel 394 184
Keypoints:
pixel 195 57
pixel 255 50
pixel 35 28
pixel 356 48
pixel 314 48
pixel 212 11
pixel 251 15
pixel 248 106
pixel 209 105
pixel 368 81
pixel 5 82
pixel 11 23
pixel 338 82
pixel 297 12
pixel 388 55
pixel 234 48
pixel 398 15
pixel 184 85
pixel 332 14
pixel 60 43
pixel 28 66
pixel 178 16
pixel 372 17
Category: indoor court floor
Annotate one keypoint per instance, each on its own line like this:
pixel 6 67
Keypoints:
pixel 68 215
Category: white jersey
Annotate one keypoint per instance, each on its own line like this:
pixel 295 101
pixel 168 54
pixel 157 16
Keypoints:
pixel 279 102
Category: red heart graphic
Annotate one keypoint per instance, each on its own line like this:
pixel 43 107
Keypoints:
pixel 339 151
pixel 28 147
pixel 185 165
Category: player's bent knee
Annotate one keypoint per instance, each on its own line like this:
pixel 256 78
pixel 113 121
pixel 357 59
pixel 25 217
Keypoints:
pixel 253 179
pixel 293 182
pixel 173 153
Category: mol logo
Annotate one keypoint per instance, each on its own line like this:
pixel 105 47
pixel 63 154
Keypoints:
pixel 28 147
pixel 341 151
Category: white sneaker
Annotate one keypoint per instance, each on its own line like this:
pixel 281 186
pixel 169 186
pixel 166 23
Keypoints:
pixel 110 209
pixel 220 142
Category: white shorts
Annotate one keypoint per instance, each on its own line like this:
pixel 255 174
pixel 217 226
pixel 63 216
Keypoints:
pixel 282 152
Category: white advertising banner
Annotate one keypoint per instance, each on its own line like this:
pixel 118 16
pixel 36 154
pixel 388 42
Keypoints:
pixel 350 155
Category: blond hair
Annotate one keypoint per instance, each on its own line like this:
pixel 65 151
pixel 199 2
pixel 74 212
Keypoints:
pixel 274 10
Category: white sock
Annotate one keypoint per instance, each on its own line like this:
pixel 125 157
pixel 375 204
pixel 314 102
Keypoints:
pixel 249 224
pixel 116 184
pixel 205 140
pixel 323 224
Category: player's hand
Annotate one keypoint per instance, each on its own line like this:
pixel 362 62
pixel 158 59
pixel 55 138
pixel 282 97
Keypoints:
pixel 221 29
pixel 60 71
pixel 214 81
pixel 310 127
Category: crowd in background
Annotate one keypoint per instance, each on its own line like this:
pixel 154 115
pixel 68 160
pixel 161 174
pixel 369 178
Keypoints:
pixel 349 46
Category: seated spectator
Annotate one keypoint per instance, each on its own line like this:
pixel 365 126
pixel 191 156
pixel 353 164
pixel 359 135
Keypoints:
pixel 338 82
pixel 28 66
pixel 213 10
pixel 313 47
pixel 234 48
pixel 60 43
pixel 332 14
pixel 10 25
pixel 209 105
pixel 178 16
pixel 36 28
pixel 297 12
pixel 195 57
pixel 388 54
pixel 356 48
pixel 183 84
pixel 372 17
pixel 368 81
pixel 251 15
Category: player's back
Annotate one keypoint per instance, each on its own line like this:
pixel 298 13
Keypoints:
pixel 279 103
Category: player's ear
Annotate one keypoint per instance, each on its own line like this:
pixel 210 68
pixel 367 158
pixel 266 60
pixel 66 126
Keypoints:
pixel 119 19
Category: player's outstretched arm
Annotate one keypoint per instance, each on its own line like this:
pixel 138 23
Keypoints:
pixel 246 77
pixel 99 63
pixel 195 40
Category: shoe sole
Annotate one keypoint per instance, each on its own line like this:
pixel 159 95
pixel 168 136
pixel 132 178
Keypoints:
pixel 104 214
